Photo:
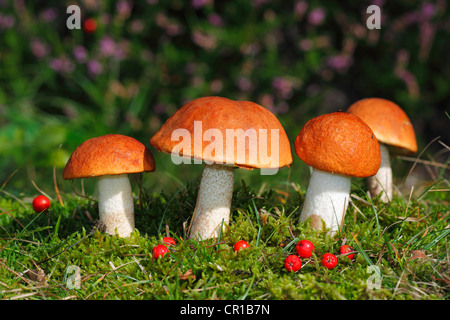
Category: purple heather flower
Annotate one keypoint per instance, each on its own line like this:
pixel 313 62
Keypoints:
pixel 107 46
pixel 339 62
pixel 80 54
pixel 124 8
pixel 316 16
pixel 205 40
pixel 283 87
pixel 39 48
pixel 161 20
pixel 427 10
pixel 216 85
pixel 122 50
pixel 244 84
pixel 215 20
pixel 409 79
pixel 378 3
pixel 94 67
pixel 306 44
pixel 198 4
pixel 48 15
pixel 62 65
pixel 402 57
pixel 427 33
pixel 7 21
pixel 300 8
pixel 173 29
pixel 266 100
pixel 105 19
pixel 136 26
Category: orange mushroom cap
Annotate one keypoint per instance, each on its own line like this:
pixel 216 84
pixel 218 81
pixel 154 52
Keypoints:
pixel 224 114
pixel 339 143
pixel 388 121
pixel 110 154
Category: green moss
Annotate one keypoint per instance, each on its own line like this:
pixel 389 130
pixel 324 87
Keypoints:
pixel 117 268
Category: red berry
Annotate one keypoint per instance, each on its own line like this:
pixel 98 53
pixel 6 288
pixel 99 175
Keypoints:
pixel 346 249
pixel 159 251
pixel 90 25
pixel 292 263
pixel 169 241
pixel 241 244
pixel 329 260
pixel 304 248
pixel 41 203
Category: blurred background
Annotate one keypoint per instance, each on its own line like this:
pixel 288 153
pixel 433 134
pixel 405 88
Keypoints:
pixel 134 63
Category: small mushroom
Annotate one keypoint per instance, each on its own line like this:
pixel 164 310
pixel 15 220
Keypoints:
pixel 111 158
pixel 337 146
pixel 222 121
pixel 395 134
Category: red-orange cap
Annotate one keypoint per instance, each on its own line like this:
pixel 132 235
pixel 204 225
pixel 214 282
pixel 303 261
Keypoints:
pixel 224 114
pixel 388 121
pixel 339 143
pixel 110 154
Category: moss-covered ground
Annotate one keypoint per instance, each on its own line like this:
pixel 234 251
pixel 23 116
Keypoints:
pixel 402 250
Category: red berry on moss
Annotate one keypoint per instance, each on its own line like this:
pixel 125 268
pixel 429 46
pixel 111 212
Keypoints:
pixel 241 244
pixel 346 249
pixel 329 260
pixel 169 241
pixel 304 248
pixel 41 203
pixel 159 251
pixel 292 263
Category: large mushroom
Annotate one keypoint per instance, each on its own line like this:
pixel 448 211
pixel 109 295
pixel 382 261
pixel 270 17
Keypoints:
pixel 111 158
pixel 222 134
pixel 395 134
pixel 337 146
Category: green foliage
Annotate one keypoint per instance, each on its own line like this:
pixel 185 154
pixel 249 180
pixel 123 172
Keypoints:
pixel 410 252
pixel 299 59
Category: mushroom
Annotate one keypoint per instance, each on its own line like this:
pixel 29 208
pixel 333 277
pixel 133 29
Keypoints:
pixel 395 134
pixel 337 146
pixel 111 158
pixel 222 122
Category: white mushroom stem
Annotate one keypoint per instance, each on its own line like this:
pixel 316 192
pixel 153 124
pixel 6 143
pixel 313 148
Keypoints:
pixel 213 202
pixel 382 181
pixel 115 204
pixel 326 199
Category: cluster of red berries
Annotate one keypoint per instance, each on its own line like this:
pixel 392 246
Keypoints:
pixel 305 248
pixel 292 263
pixel 161 249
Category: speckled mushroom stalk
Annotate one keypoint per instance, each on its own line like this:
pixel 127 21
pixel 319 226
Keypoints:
pixel 213 201
pixel 115 204
pixel 110 158
pixel 338 146
pixel 217 117
pixel 382 181
pixel 326 199
pixel 394 130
